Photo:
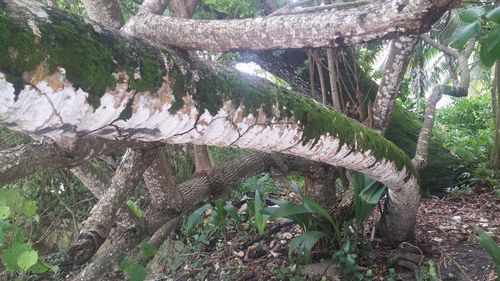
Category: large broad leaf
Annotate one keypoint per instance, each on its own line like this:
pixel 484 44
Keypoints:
pixel 490 47
pixel 367 193
pixel 463 34
pixel 303 244
pixel 286 210
pixel 299 214
pixel 195 218
pixel 470 14
pixel 494 15
pixel 489 245
pixel 316 208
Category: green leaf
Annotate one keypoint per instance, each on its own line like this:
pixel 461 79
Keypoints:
pixel 260 217
pixel 286 210
pixel 29 208
pixel 316 208
pixel 372 193
pixel 303 244
pixel 27 259
pixel 39 267
pixel 494 15
pixel 195 218
pixel 138 273
pixel 10 255
pixel 4 212
pixel 367 193
pixel 490 47
pixel 147 249
pixel 125 265
pixel 470 14
pixel 463 34
pixel 233 213
pixel 134 208
pixel 489 245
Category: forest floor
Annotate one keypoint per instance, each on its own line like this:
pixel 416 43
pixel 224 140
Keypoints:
pixel 445 242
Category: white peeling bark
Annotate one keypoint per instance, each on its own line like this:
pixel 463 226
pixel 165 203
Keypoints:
pixel 397 61
pixel 334 28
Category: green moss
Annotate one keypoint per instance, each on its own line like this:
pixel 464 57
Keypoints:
pixel 314 119
pixel 442 167
pixel 179 88
pixel 77 48
pixel 19 51
pixel 151 74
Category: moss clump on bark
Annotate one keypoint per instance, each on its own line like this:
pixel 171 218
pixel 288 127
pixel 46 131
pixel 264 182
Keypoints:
pixel 19 51
pixel 76 47
pixel 90 58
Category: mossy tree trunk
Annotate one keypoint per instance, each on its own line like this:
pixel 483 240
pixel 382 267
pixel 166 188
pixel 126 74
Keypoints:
pixel 159 96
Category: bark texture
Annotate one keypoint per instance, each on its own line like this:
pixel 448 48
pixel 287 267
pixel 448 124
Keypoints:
pixel 202 103
pixel 106 12
pixel 399 56
pixel 380 19
pixel 47 155
pixel 97 226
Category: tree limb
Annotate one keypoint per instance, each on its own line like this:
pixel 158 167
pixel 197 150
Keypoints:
pixel 98 225
pixel 380 19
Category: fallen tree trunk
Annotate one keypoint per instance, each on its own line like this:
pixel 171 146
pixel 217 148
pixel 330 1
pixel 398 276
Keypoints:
pixel 156 95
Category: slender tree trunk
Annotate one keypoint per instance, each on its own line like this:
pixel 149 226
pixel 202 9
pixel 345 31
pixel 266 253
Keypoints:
pixel 495 98
pixel 333 79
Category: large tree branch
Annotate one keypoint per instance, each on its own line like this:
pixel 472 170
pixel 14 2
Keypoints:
pixel 399 56
pixel 381 19
pixel 46 155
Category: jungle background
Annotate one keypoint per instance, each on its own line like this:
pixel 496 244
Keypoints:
pixel 240 237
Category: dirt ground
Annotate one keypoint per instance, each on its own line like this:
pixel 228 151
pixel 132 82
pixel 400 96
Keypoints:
pixel 444 236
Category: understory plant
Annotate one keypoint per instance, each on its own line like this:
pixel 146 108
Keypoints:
pixel 17 253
